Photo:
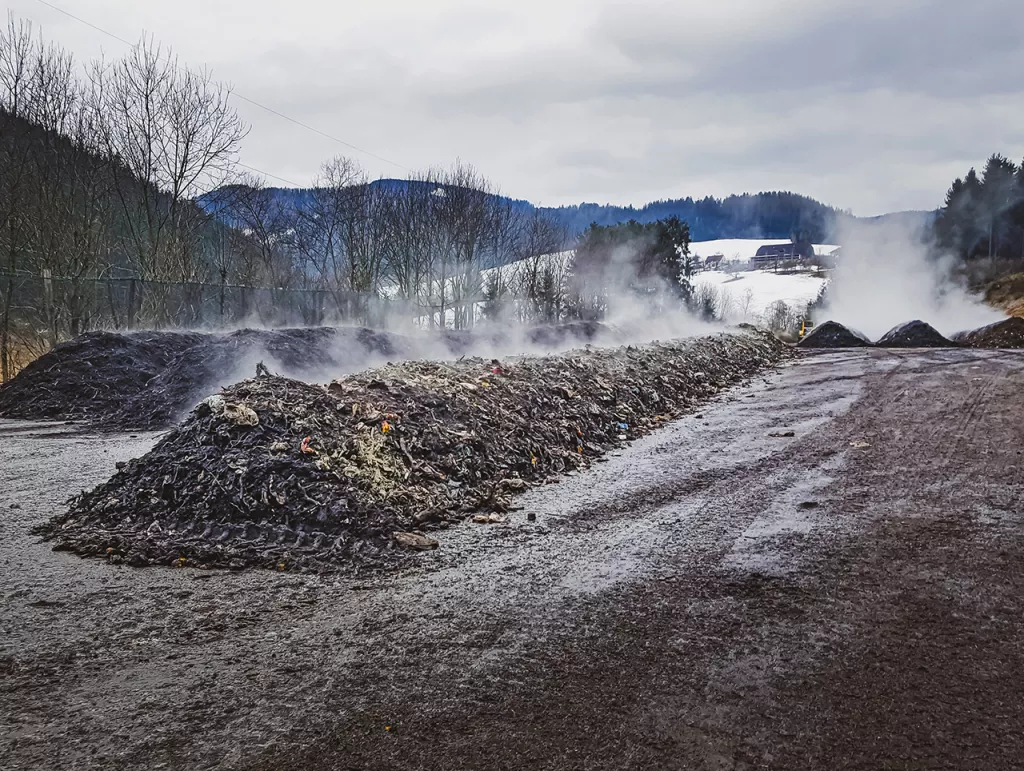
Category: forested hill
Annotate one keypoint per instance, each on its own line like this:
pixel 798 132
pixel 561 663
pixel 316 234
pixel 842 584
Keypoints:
pixel 759 215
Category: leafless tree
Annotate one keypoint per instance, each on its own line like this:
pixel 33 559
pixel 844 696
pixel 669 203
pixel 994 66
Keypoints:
pixel 173 135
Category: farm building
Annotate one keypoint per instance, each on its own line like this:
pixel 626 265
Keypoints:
pixel 770 254
pixel 713 261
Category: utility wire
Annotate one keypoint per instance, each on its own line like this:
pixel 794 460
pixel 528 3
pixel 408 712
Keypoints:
pixel 268 174
pixel 253 102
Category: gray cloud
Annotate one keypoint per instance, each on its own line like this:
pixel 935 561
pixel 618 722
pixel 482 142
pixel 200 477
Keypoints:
pixel 872 106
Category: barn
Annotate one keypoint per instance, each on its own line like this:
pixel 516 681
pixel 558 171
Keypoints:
pixel 713 262
pixel 772 254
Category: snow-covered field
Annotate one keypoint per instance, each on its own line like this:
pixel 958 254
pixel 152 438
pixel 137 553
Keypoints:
pixel 742 249
pixel 740 295
pixel 745 295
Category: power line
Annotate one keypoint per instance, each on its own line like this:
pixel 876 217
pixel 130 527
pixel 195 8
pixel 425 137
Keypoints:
pixel 253 102
pixel 268 174
pixel 86 23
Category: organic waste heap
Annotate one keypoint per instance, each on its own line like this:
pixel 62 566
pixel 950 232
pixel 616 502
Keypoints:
pixel 92 375
pixel 832 334
pixel 149 380
pixel 282 474
pixel 914 334
pixel 1008 333
pixel 305 353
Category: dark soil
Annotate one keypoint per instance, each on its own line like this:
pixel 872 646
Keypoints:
pixel 914 334
pixel 832 334
pixel 92 375
pixel 1008 333
pixel 276 473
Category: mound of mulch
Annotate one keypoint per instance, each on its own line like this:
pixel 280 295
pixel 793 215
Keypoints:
pixel 280 474
pixel 1008 333
pixel 914 334
pixel 832 334
pixel 505 338
pixel 150 380
pixel 314 353
pixel 93 375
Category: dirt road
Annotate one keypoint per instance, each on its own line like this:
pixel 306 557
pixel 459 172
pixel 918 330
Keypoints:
pixel 713 598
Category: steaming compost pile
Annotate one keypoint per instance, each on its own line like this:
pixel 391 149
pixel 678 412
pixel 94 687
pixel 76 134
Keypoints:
pixel 281 474
pixel 1008 333
pixel 149 380
pixel 92 375
pixel 914 334
pixel 503 338
pixel 832 334
pixel 221 359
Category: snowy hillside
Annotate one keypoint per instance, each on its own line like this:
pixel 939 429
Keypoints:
pixel 745 296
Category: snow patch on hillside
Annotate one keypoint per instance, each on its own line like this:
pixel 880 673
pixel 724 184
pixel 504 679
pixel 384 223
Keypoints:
pixel 746 296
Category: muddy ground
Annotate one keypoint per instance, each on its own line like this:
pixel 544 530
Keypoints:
pixel 711 598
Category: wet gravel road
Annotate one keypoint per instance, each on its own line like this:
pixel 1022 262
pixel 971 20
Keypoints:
pixel 714 597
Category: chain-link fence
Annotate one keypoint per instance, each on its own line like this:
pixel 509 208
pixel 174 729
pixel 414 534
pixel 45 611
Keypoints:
pixel 39 311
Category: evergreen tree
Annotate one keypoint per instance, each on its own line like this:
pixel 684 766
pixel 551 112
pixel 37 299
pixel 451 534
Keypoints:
pixel 999 190
pixel 984 216
pixel 645 259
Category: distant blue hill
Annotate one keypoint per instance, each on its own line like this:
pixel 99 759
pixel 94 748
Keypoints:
pixel 758 215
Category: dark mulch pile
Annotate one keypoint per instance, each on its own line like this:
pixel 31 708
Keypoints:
pixel 914 334
pixel 92 375
pixel 832 334
pixel 509 338
pixel 316 353
pixel 280 474
pixel 1008 333
pixel 150 380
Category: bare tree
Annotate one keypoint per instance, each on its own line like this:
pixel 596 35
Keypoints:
pixel 18 53
pixel 173 135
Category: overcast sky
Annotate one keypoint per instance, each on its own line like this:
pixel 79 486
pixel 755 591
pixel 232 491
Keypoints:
pixel 871 105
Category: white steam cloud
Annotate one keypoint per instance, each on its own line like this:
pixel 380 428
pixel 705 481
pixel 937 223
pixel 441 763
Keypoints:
pixel 886 278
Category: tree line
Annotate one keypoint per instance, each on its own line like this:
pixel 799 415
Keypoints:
pixel 758 215
pixel 983 215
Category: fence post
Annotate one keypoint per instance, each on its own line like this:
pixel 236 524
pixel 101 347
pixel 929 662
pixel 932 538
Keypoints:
pixel 51 321
pixel 223 282
pixel 131 304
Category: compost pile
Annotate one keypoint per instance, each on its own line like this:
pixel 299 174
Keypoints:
pixel 914 334
pixel 505 338
pixel 1008 333
pixel 92 375
pixel 832 334
pixel 150 380
pixel 281 474
pixel 221 359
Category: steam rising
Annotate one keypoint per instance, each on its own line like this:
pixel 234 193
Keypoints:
pixel 886 277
